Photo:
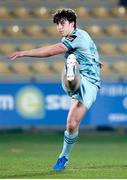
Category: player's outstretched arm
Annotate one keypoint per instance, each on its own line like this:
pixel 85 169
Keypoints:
pixel 40 52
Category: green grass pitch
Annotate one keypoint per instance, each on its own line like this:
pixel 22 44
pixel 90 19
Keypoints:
pixel 25 155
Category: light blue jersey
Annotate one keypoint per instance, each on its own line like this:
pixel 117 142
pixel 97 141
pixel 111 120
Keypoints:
pixel 82 46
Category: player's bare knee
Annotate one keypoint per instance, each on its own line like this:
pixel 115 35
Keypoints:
pixel 71 126
pixel 71 129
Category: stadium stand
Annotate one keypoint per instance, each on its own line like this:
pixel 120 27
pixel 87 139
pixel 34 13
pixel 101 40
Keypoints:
pixel 27 24
pixel 7 48
pixel 40 12
pixel 13 30
pixel 51 31
pixel 21 68
pixel 114 30
pixel 25 46
pixel 34 30
pixel 41 68
pixel 95 30
pixel 4 12
pixel 120 67
pixel 122 48
pixel 106 69
pixel 82 12
pixel 20 12
pixel 107 48
pixel 100 12
pixel 5 69
pixel 57 67
pixel 119 12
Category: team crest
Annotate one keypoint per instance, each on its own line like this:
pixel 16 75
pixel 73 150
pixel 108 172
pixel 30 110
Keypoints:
pixel 71 38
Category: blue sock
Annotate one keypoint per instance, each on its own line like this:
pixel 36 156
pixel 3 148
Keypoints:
pixel 69 141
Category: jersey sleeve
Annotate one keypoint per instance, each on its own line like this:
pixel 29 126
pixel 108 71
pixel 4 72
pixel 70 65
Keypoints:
pixel 72 42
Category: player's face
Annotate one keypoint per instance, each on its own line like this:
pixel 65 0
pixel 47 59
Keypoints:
pixel 64 27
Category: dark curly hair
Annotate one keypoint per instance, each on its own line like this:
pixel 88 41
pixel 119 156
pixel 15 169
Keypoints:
pixel 65 14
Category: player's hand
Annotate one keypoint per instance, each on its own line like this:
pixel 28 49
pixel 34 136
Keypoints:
pixel 15 55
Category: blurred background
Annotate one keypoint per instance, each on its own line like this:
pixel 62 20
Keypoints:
pixel 31 96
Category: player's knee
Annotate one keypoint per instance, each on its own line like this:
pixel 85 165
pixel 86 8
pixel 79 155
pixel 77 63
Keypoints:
pixel 71 126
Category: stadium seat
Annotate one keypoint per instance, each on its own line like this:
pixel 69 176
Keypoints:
pixel 94 30
pixel 40 12
pixel 21 68
pixel 106 70
pixel 82 12
pixel 51 31
pixel 34 30
pixel 57 66
pixel 119 12
pixel 125 30
pixel 4 13
pixel 99 12
pixel 2 33
pixel 114 30
pixel 14 30
pixel 122 48
pixel 120 67
pixel 41 68
pixel 5 69
pixel 107 49
pixel 26 46
pixel 21 12
pixel 7 48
